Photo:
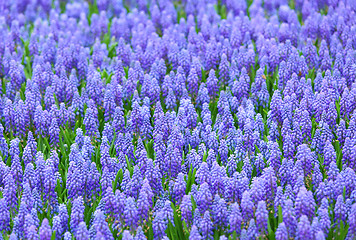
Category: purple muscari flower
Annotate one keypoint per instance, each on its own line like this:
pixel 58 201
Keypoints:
pixel 21 119
pixel 159 225
pixel 324 56
pixel 252 229
pixel 219 210
pixel 276 103
pixel 131 213
pixel 136 182
pixel 109 104
pixel 289 217
pixel 118 71
pixel 194 234
pixel 32 233
pixel 126 235
pixel 14 147
pixel 274 155
pixel 16 171
pixel 204 197
pixel 179 188
pixel 217 181
pixel 203 174
pixel 110 201
pixel 118 121
pixel 140 235
pixel 171 99
pixel 105 159
pixel 23 211
pixel 101 226
pixel 235 218
pixel 224 69
pixel 288 146
pixel 324 219
pixel 9 192
pixel 89 149
pixel 212 84
pixel 136 117
pixel 212 54
pixel 173 161
pixel 79 138
pixel 305 203
pixel 259 164
pixel 186 208
pixel 196 217
pixel 13 234
pixel 258 189
pixel 310 54
pixel 146 127
pixel 261 216
pixel 54 133
pixel 203 95
pixel 206 226
pixel 15 74
pixel 282 232
pixel 317 176
pixel 90 122
pixel 168 211
pixel 45 231
pixel 304 155
pixel 184 60
pixel 179 86
pixel 352 222
pixel 129 85
pixel 93 182
pixel 56 226
pixel 247 206
pixel 320 235
pixel 247 167
pixel 173 52
pixel 303 229
pixel 8 114
pixel 37 204
pixel 106 179
pixel 211 157
pixel 16 229
pixel 67 236
pixel 82 231
pixel 340 209
pixel 125 183
pixel 50 195
pixel 123 52
pixel 223 151
pixel 74 180
pixel 346 152
pixel 3 144
pixel 143 205
pixel 329 154
pixel 167 85
pixel 5 215
pixel 77 214
pixel 32 144
pixel 193 82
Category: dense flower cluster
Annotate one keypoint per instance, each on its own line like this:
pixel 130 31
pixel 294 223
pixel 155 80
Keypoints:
pixel 191 119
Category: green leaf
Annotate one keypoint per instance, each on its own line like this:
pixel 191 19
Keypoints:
pixel 280 215
pixel 191 179
pixel 129 166
pixel 271 234
pixel 178 223
pixel 117 179
pixel 53 237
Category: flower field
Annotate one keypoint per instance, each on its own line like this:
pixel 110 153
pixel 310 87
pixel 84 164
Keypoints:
pixel 189 119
